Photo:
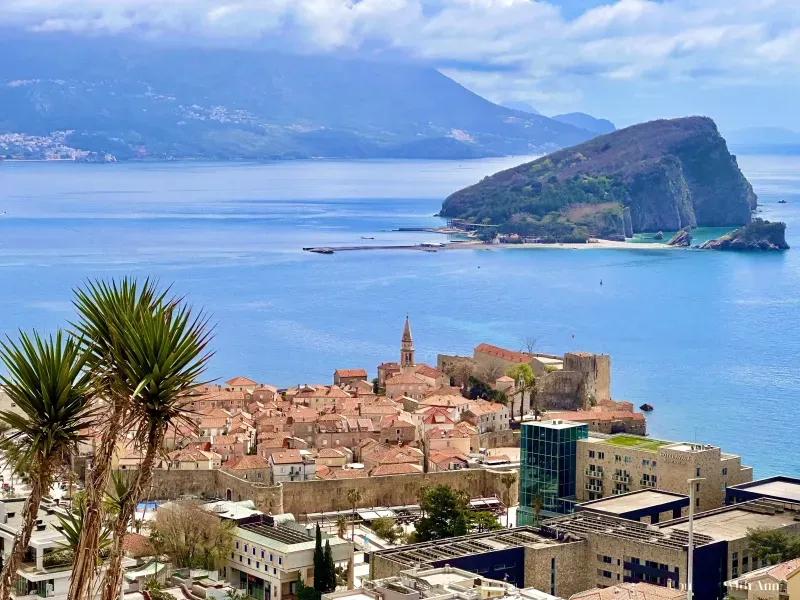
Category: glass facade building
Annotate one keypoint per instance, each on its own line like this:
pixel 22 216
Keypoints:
pixel 547 469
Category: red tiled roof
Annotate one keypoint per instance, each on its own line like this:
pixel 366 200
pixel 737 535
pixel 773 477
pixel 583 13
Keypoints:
pixel 330 453
pixel 429 371
pixel 286 457
pixel 402 379
pixel 239 381
pixel 250 461
pixel 400 469
pixel 190 455
pixel 351 372
pixel 631 591
pixel 503 354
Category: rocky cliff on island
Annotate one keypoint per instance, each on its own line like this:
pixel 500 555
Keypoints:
pixel 758 235
pixel 658 176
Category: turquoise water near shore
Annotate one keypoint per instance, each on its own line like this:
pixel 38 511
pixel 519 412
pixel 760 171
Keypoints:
pixel 709 339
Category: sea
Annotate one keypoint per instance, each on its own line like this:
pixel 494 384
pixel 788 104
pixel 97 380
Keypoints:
pixel 711 340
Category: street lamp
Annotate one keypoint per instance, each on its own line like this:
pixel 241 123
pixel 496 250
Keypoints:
pixel 690 570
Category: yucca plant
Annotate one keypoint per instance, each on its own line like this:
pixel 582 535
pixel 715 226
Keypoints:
pixel 162 353
pixel 53 393
pixel 104 311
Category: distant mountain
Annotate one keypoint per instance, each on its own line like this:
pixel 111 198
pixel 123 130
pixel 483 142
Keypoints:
pixel 657 176
pixel 520 106
pixel 765 140
pixel 587 122
pixel 141 100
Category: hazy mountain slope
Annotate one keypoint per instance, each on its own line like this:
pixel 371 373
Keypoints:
pixel 201 102
pixel 587 122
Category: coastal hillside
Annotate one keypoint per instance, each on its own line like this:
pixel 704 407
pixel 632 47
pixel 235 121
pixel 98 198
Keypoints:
pixel 660 175
pixel 142 100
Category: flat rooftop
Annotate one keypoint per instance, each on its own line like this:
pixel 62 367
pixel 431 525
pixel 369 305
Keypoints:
pixel 555 424
pixel 635 442
pixel 285 537
pixel 782 488
pixel 427 553
pixel 733 522
pixel 626 503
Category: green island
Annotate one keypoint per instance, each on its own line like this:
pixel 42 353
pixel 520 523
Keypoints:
pixel 663 175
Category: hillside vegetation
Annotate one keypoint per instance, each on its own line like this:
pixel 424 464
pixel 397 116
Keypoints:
pixel 661 175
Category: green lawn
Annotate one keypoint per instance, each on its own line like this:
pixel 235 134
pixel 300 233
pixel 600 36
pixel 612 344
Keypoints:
pixel 632 441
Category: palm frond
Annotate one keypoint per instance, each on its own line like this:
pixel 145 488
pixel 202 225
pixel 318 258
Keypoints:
pixel 52 390
pixel 71 525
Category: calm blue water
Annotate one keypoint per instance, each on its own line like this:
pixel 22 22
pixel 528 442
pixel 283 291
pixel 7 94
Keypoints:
pixel 710 339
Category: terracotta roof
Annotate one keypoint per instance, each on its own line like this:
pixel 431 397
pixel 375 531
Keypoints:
pixel 402 379
pixel 505 378
pixel 229 440
pixel 270 443
pixel 595 415
pixel 437 416
pixel 780 572
pixel 347 474
pixel 136 545
pixel 351 372
pixel 389 365
pixel 395 421
pixel 395 456
pixel 249 461
pixel 330 453
pixel 442 434
pixel 190 455
pixel 286 457
pixel 503 354
pixel 429 371
pixel 439 457
pixel 631 591
pixel 378 409
pixel 466 428
pixel 485 408
pixel 237 381
pixel 400 469
pixel 449 400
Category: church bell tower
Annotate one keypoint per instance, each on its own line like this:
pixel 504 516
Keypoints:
pixel 407 366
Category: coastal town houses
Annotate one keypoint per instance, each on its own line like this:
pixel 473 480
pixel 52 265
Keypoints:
pixel 292 465
pixel 191 459
pixel 487 416
pixel 448 439
pixel 345 377
pixel 774 582
pixel 251 467
pixel 241 384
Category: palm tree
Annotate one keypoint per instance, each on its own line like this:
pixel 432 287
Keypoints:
pixel 47 381
pixel 102 310
pixel 508 479
pixel 161 353
pixel 341 526
pixel 355 497
pixel 538 504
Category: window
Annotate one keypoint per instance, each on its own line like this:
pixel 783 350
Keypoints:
pixel 274 571
pixel 607 574
pixel 262 554
pixel 237 545
pixel 607 560
pixel 697 502
pixel 240 558
pixel 248 562
pixel 617 458
pixel 258 565
pixel 254 551
pixel 697 472
pixel 696 487
pixel 245 547
pixel 724 470
pixel 280 560
pixel 627 459
pixel 591 453
pixel 601 455
pixel 645 462
pixel 270 558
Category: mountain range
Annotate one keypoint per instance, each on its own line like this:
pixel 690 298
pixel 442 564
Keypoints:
pixel 144 100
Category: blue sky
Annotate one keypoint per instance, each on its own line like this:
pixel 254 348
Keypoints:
pixel 627 60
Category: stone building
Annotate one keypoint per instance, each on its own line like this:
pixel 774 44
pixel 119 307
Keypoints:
pixel 343 377
pixel 618 464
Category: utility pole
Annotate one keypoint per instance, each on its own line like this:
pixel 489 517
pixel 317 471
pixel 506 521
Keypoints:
pixel 690 570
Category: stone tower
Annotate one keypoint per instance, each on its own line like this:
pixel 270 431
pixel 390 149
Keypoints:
pixel 407 366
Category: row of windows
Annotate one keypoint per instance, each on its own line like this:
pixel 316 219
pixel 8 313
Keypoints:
pixel 247 548
pixel 258 564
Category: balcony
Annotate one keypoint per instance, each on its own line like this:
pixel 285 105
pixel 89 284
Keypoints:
pixel 621 477
pixel 649 483
pixel 594 487
pixel 616 492
pixel 596 473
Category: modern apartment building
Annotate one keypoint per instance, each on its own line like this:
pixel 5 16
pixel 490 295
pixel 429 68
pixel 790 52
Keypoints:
pixel 269 555
pixel 548 469
pixel 46 567
pixel 617 464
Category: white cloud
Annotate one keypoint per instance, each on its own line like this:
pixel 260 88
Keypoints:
pixel 505 49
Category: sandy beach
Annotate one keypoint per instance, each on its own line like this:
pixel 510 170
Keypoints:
pixel 593 243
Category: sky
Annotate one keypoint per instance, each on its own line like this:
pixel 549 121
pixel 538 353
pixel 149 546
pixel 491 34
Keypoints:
pixel 737 61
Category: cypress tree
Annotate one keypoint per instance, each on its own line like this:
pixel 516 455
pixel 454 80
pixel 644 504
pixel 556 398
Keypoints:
pixel 320 574
pixel 330 568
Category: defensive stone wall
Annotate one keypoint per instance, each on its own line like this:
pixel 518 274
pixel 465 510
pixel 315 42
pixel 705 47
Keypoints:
pixel 504 438
pixel 301 497
pixel 561 390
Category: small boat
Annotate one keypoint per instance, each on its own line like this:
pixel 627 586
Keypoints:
pixel 364 237
pixel 646 407
pixel 781 201
pixel 429 249
pixel 321 250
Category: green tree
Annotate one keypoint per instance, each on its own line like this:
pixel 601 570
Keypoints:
pixel 772 545
pixel 508 480
pixel 386 528
pixel 483 521
pixel 53 393
pixel 190 536
pixel 305 592
pixel 102 310
pixel 354 497
pixel 161 353
pixel 445 512
pixel 320 575
pixel 525 382
pixel 330 569
pixel 341 526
